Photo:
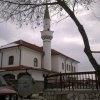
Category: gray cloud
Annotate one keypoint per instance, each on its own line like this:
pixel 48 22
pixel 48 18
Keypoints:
pixel 8 32
pixel 5 33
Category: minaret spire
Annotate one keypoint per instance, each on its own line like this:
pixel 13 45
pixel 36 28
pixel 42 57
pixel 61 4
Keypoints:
pixel 47 36
pixel 46 19
pixel 46 14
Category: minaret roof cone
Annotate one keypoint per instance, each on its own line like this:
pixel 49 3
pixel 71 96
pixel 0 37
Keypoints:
pixel 46 14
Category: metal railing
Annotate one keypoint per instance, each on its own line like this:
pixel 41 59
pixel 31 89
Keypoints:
pixel 77 80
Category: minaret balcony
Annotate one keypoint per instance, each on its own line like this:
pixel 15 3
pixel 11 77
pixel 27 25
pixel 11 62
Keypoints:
pixel 46 35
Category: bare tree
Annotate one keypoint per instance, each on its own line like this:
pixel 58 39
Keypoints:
pixel 31 11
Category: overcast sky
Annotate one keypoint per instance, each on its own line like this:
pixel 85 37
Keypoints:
pixel 66 38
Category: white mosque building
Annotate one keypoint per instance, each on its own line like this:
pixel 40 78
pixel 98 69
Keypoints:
pixel 19 56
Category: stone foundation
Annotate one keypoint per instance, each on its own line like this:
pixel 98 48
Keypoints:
pixel 72 95
pixel 38 87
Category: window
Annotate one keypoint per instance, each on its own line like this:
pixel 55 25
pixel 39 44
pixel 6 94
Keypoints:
pixel 35 62
pixel 11 60
pixel 63 66
pixel 69 68
pixel 74 69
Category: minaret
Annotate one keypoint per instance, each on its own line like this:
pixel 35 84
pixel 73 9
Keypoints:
pixel 47 36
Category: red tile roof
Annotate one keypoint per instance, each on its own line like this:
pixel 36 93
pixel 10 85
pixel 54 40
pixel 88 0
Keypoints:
pixel 29 45
pixel 22 67
pixel 39 49
pixel 54 52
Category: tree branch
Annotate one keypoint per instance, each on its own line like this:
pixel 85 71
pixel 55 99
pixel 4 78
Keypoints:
pixel 95 51
pixel 74 5
pixel 18 3
pixel 83 34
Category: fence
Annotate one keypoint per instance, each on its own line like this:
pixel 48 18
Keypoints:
pixel 77 80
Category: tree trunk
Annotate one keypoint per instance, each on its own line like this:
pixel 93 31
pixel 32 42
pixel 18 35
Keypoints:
pixel 83 34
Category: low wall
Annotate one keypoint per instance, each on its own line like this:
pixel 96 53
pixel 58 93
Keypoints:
pixel 72 95
pixel 38 87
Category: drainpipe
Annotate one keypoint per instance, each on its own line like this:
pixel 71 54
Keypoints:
pixel 42 60
pixel 65 65
pixel 1 58
pixel 19 55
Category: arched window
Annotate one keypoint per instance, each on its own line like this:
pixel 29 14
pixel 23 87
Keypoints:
pixel 11 60
pixel 69 68
pixel 35 62
pixel 63 66
pixel 74 69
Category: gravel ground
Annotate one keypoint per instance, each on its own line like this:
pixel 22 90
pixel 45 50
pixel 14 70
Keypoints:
pixel 34 97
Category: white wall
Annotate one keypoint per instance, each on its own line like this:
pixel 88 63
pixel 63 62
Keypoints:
pixel 28 55
pixel 10 52
pixel 54 63
pixel 37 75
pixel 61 60
pixel 57 61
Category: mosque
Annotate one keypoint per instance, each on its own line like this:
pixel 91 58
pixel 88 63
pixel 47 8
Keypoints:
pixel 21 56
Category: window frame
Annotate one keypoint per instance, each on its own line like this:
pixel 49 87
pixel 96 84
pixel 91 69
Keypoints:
pixel 63 66
pixel 35 62
pixel 11 60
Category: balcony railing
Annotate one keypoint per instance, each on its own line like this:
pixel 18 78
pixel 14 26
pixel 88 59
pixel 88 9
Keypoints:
pixel 77 80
